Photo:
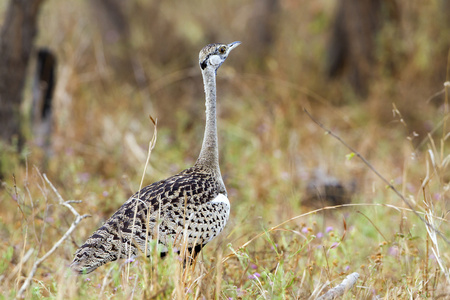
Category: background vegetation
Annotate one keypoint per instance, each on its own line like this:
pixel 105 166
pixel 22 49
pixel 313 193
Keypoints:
pixel 113 72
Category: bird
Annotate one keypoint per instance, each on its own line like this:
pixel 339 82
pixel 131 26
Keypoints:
pixel 187 210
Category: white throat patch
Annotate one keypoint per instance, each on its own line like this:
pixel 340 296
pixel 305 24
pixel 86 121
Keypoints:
pixel 215 60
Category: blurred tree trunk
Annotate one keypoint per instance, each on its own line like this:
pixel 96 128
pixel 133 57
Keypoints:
pixel 42 105
pixel 263 30
pixel 351 49
pixel 16 42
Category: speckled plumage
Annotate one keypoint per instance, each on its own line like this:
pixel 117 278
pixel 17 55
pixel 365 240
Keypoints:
pixel 189 208
pixel 165 201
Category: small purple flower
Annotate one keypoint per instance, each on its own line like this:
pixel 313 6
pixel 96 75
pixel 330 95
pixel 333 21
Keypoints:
pixel 276 246
pixel 347 268
pixel 329 228
pixel 49 220
pixel 285 175
pixel 240 292
pixel 254 276
pixel 129 260
pixel 305 230
pixel 84 177
pixel 175 250
pixel 319 235
pixel 99 285
pixel 253 266
pixel 334 245
pixel 394 251
pixel 105 194
pixel 87 279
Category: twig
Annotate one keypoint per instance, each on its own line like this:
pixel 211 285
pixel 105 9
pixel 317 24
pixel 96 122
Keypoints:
pixel 373 224
pixel 16 198
pixel 105 280
pixel 340 289
pixel 36 264
pixel 328 131
pixel 441 92
pixel 151 145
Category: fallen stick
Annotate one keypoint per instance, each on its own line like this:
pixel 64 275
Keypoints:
pixel 340 289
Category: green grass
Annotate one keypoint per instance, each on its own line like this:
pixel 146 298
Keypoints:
pixel 268 151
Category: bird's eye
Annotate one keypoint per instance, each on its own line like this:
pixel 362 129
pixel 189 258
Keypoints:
pixel 222 49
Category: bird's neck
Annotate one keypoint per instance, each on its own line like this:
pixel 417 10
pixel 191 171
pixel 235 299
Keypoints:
pixel 209 154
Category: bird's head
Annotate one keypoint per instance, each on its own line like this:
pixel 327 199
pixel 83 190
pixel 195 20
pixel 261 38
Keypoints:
pixel 213 55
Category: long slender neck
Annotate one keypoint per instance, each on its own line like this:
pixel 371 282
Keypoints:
pixel 209 154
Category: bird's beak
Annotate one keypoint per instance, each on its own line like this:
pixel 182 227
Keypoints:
pixel 233 45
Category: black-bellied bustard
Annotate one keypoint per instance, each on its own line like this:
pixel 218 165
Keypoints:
pixel 190 207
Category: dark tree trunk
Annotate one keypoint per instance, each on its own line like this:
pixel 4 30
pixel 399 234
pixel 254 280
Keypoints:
pixel 42 105
pixel 351 49
pixel 262 28
pixel 16 42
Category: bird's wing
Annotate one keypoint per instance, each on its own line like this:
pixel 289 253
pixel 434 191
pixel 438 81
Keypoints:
pixel 184 207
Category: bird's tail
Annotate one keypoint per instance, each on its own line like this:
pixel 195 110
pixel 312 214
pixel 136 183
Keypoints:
pixel 105 245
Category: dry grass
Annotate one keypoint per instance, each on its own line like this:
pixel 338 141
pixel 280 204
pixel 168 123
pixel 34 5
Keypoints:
pixel 273 246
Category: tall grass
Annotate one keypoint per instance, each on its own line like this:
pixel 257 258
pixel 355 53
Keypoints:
pixel 273 247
